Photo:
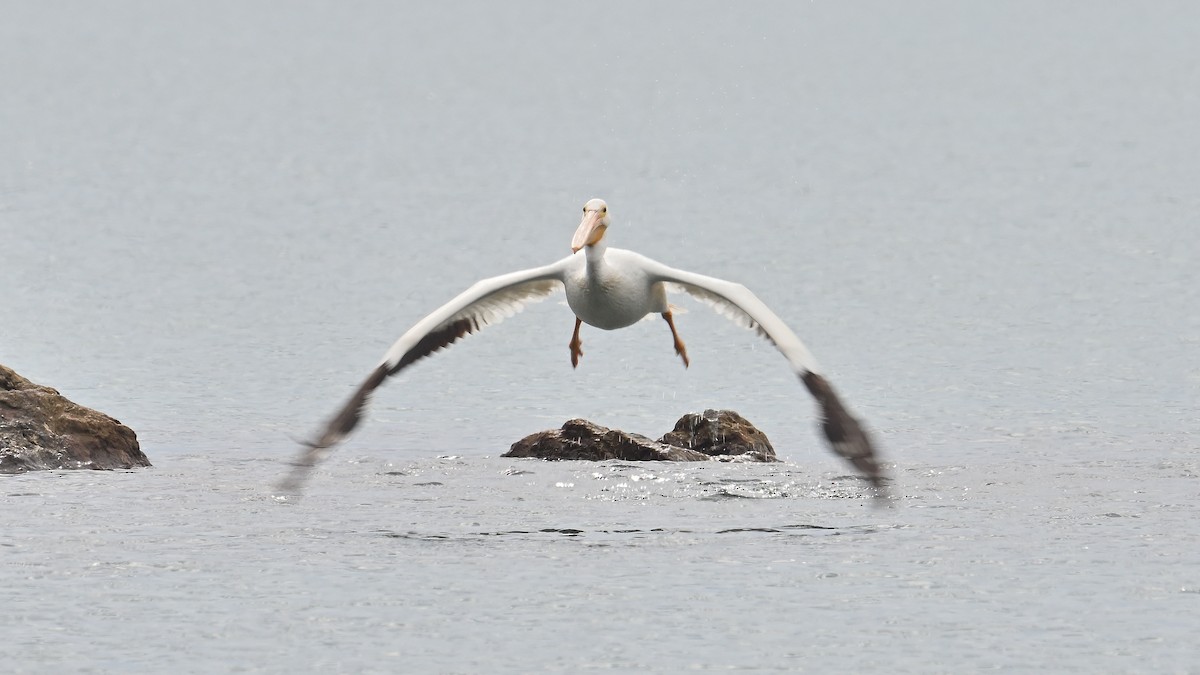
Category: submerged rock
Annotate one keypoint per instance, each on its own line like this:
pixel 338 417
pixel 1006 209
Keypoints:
pixel 41 429
pixel 723 435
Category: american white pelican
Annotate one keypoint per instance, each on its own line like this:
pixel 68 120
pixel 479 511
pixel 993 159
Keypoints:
pixel 607 288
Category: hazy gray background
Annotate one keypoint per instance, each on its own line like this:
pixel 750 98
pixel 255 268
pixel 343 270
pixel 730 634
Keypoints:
pixel 215 217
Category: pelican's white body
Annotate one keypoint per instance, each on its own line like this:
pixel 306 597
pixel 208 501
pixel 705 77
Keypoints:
pixel 612 289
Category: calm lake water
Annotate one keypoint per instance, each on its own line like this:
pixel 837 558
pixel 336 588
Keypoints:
pixel 216 217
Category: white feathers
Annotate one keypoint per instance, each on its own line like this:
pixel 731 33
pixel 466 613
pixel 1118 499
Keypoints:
pixel 504 304
pixel 723 307
pixel 737 303
pixel 485 303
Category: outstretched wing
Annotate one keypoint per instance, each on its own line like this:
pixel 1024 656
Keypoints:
pixel 486 303
pixel 845 434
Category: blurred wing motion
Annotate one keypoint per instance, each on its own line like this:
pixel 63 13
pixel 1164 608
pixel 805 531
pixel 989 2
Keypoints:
pixel 734 301
pixel 486 303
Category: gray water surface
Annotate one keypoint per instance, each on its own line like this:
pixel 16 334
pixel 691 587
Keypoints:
pixel 215 218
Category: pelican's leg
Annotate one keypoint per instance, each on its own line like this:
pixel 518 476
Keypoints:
pixel 575 345
pixel 680 348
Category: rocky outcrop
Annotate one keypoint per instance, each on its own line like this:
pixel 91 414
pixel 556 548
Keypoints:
pixel 41 429
pixel 713 434
pixel 721 433
pixel 581 439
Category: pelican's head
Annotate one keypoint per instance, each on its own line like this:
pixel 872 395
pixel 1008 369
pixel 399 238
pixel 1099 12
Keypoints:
pixel 592 227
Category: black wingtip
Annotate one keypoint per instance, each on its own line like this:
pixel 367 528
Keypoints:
pixel 292 485
pixel 845 434
pixel 335 431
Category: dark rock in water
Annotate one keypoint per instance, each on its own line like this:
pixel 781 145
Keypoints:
pixel 40 429
pixel 580 439
pixel 721 433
